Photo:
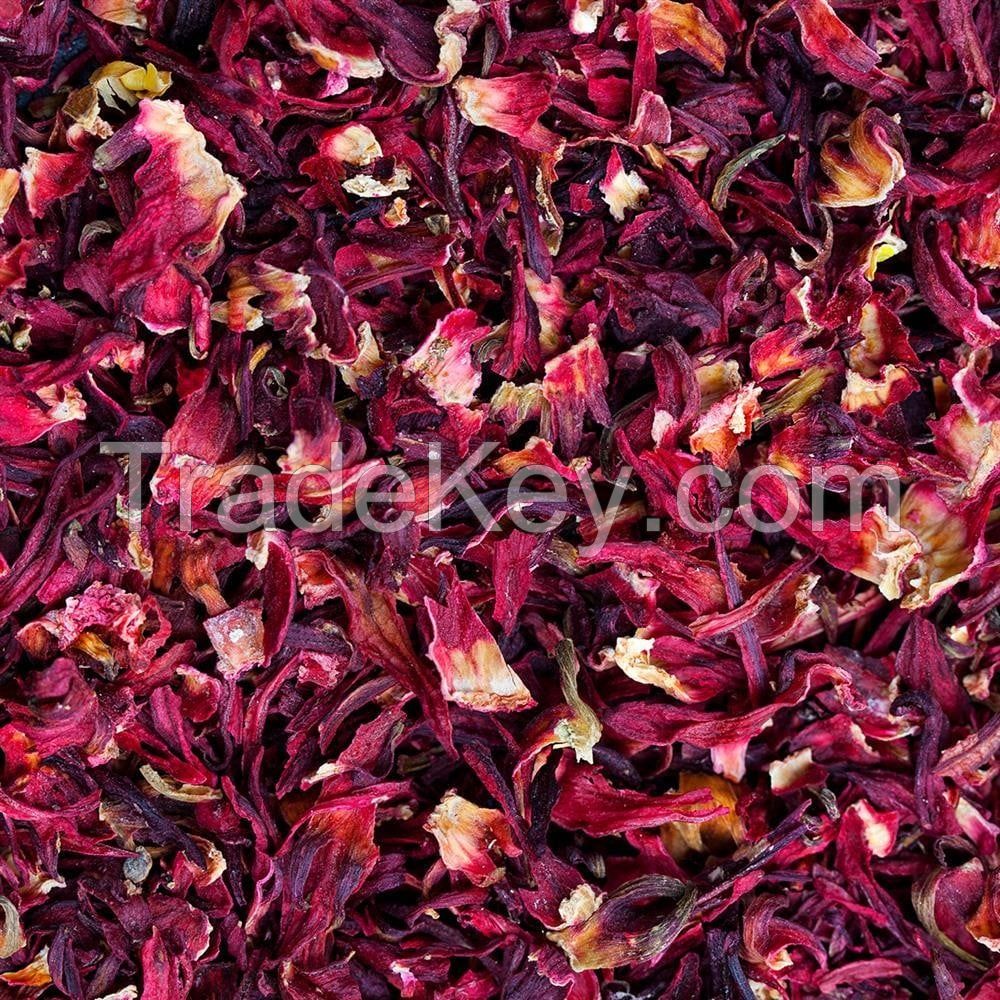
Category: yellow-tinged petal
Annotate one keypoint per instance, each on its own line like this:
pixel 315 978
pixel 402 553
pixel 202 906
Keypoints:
pixel 118 12
pixel 10 181
pixel 129 83
pixel 862 166
pixel 683 26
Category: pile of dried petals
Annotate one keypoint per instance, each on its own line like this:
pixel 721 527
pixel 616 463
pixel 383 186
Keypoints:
pixel 582 750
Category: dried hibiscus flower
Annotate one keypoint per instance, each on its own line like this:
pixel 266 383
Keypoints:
pixel 498 501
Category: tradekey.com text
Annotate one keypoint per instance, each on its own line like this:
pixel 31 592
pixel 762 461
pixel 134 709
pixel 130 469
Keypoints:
pixel 535 498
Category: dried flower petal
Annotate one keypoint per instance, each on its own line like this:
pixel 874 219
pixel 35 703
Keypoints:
pixel 863 166
pixel 499 501
pixel 683 26
pixel 473 670
pixel 469 836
